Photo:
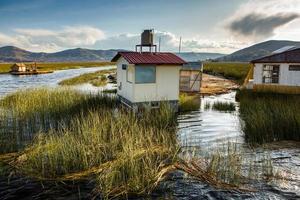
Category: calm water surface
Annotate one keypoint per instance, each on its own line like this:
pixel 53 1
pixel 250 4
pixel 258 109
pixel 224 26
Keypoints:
pixel 10 83
pixel 206 131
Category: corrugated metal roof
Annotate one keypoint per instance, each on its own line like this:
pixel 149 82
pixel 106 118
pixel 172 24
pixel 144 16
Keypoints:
pixel 149 58
pixel 289 56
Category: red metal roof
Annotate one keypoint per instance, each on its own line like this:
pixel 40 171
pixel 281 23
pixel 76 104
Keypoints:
pixel 149 58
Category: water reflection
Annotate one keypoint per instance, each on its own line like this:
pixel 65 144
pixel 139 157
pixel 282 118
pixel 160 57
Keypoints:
pixel 207 131
pixel 207 128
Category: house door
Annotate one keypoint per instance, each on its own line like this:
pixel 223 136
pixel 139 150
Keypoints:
pixel 190 81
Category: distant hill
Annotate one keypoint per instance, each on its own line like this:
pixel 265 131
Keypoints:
pixel 193 56
pixel 258 50
pixel 15 54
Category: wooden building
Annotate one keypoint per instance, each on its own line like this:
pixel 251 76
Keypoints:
pixel 191 77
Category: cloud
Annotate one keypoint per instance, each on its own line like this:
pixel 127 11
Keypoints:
pixel 66 37
pixel 50 41
pixel 260 26
pixel 45 40
pixel 257 20
pixel 169 42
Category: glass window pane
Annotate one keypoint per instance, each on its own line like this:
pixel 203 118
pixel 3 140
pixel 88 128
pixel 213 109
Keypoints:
pixel 129 74
pixel 145 74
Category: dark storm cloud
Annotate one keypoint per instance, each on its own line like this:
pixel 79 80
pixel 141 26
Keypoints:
pixel 259 25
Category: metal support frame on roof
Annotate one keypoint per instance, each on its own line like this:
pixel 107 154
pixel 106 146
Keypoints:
pixel 141 48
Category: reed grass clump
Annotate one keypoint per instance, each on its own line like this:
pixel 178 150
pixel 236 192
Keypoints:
pixel 230 167
pixel 97 78
pixel 110 91
pixel 227 166
pixel 223 106
pixel 127 151
pixel 28 112
pixel 277 89
pixel 189 102
pixel 123 151
pixel 207 106
pixel 269 117
pixel 234 70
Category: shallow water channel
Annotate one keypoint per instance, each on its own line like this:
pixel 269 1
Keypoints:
pixel 200 132
pixel 207 131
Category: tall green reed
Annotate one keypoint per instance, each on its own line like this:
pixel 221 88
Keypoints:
pixel 268 117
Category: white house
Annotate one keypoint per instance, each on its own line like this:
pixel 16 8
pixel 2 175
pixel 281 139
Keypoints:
pixel 281 68
pixel 148 78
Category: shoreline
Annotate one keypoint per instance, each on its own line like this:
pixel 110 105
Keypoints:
pixel 55 66
pixel 214 85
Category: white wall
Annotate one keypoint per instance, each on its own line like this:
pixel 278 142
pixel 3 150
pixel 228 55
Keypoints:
pixel 286 77
pixel 257 73
pixel 126 89
pixel 165 88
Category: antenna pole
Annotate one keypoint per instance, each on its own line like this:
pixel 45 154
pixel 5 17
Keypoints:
pixel 159 40
pixel 179 44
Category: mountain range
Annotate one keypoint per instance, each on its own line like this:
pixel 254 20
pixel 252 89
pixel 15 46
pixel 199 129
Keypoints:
pixel 15 54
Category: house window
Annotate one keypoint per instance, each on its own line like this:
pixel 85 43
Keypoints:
pixel 145 74
pixel 271 74
pixel 129 74
pixel 124 66
pixel 294 68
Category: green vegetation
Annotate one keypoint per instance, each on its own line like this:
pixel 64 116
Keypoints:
pixel 5 67
pixel 127 151
pixel 97 78
pixel 223 106
pixel 269 88
pixel 207 106
pixel 229 165
pixel 110 91
pixel 236 71
pixel 70 136
pixel 189 102
pixel 31 111
pixel 79 135
pixel 269 117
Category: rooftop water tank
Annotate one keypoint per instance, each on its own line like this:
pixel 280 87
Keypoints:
pixel 147 37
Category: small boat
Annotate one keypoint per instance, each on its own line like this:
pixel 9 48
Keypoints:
pixel 22 69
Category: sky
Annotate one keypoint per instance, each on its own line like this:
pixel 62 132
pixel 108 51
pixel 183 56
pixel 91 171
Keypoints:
pixel 219 26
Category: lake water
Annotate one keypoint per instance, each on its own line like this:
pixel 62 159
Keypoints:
pixel 11 83
pixel 205 131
